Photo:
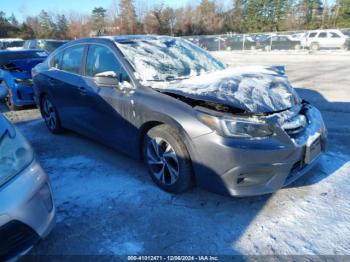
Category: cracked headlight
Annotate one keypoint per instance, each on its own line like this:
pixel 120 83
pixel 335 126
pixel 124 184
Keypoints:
pixel 237 127
pixel 15 155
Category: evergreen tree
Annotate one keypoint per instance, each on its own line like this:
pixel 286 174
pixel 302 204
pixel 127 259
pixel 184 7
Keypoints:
pixel 62 27
pixel 98 19
pixel 343 13
pixel 311 13
pixel 47 27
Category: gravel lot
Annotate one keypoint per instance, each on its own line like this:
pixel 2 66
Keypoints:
pixel 107 204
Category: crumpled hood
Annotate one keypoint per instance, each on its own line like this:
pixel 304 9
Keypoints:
pixel 254 89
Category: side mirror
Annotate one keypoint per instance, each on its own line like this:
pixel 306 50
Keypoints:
pixel 108 79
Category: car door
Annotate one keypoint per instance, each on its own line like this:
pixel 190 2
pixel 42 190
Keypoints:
pixel 108 108
pixel 66 82
pixel 323 40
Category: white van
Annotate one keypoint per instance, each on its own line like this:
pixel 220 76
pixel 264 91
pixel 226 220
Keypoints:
pixel 332 38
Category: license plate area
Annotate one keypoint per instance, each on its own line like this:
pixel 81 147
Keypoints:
pixel 312 150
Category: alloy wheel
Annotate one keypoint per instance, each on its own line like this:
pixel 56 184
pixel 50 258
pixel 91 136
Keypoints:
pixel 49 114
pixel 163 161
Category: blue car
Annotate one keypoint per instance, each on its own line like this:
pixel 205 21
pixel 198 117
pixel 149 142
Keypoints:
pixel 16 83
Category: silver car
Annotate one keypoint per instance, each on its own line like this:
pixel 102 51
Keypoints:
pixel 27 211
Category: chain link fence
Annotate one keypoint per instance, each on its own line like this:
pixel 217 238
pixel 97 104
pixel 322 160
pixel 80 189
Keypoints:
pixel 331 39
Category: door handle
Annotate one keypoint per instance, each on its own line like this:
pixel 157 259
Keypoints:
pixel 83 91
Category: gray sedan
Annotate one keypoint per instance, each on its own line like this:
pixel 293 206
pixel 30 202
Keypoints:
pixel 240 131
pixel 27 211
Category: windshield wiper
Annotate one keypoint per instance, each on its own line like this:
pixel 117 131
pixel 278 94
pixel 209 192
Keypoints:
pixel 169 79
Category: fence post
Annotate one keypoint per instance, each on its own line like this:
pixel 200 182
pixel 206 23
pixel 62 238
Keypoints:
pixel 271 42
pixel 243 47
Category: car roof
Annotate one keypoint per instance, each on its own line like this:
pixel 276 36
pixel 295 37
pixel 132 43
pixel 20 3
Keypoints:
pixel 41 39
pixel 123 38
pixel 23 51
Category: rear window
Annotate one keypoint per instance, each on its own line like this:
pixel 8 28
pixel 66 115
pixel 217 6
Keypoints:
pixel 51 45
pixel 334 35
pixel 322 35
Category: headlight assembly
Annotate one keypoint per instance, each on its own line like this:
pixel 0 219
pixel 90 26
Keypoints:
pixel 237 127
pixel 28 81
pixel 15 155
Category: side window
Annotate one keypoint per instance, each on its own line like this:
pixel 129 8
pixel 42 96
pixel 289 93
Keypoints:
pixel 334 35
pixel 283 38
pixel 71 59
pixel 101 59
pixel 33 44
pixel 312 35
pixel 56 60
pixel 322 35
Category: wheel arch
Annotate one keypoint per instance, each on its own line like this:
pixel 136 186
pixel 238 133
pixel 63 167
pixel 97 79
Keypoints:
pixel 181 132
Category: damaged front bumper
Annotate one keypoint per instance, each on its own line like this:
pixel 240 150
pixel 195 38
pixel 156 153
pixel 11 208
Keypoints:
pixel 246 167
pixel 23 95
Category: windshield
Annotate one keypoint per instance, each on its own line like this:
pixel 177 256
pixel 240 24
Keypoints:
pixel 51 45
pixel 166 59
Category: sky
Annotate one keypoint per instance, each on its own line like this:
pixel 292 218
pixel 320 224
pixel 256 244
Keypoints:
pixel 24 8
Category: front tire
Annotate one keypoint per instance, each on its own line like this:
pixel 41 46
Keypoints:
pixel 167 159
pixel 49 113
pixel 314 47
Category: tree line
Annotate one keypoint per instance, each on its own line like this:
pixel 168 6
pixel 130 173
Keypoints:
pixel 208 17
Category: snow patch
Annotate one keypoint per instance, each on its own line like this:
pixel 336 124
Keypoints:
pixel 126 248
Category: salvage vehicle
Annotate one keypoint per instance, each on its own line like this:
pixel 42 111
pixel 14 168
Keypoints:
pixel 240 42
pixel 27 211
pixel 212 43
pixel 49 45
pixel 241 131
pixel 279 42
pixel 15 76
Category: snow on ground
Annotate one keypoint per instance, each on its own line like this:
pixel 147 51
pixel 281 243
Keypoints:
pixel 107 204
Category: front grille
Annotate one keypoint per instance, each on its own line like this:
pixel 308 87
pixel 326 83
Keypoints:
pixel 294 131
pixel 16 237
pixel 295 125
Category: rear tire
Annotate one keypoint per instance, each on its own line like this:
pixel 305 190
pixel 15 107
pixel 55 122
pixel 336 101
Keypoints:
pixel 167 159
pixel 50 115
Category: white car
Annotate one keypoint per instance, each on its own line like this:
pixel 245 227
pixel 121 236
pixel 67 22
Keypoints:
pixel 315 40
